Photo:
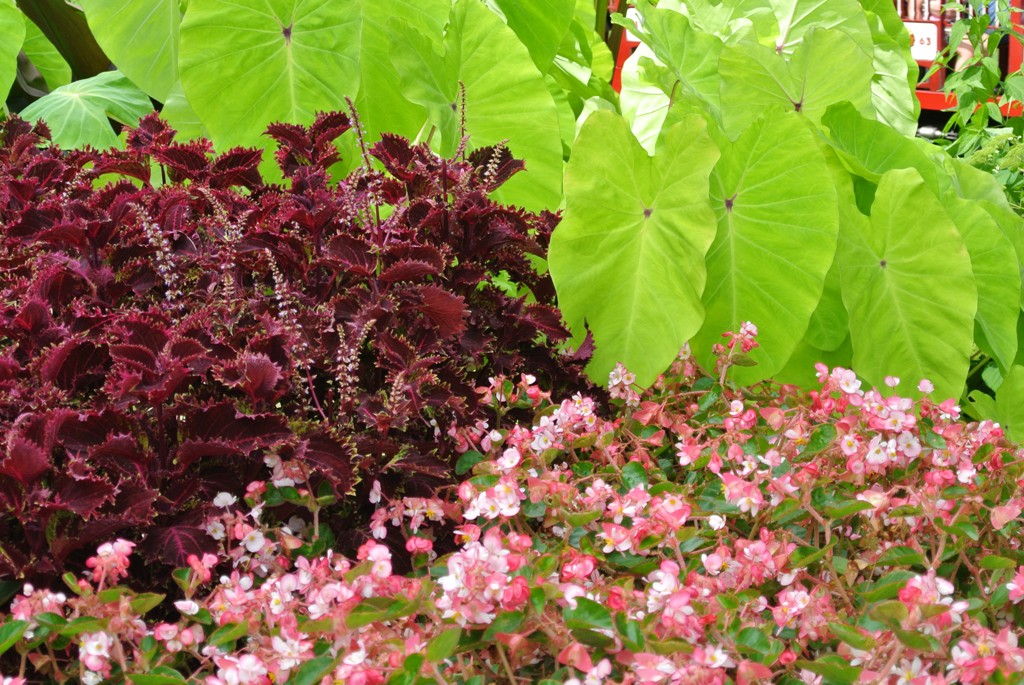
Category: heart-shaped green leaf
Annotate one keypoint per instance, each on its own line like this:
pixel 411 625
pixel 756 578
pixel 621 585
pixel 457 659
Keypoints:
pixel 774 197
pixel 282 60
pixel 756 77
pixel 77 113
pixel 628 256
pixel 905 276
pixel 45 57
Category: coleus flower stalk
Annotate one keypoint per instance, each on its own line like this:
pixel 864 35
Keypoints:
pixel 169 319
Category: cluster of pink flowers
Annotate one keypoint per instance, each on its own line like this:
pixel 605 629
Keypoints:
pixel 694 536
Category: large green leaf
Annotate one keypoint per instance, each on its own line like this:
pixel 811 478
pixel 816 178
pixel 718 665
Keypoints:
pixel 643 99
pixel 245 65
pixel 539 25
pixel 179 114
pixel 628 256
pixel 829 324
pixel 797 17
pixel 909 287
pixel 141 38
pixel 381 103
pixel 45 57
pixel 896 72
pixel 778 221
pixel 870 148
pixel 1010 402
pixel 974 184
pixel 997 274
pixel 691 54
pixel 734 20
pixel 12 34
pixel 77 113
pixel 506 96
pixel 826 67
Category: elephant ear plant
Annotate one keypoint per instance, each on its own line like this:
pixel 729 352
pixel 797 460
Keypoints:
pixel 761 172
pixel 164 333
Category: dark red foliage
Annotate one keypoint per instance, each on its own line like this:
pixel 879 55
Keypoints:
pixel 158 340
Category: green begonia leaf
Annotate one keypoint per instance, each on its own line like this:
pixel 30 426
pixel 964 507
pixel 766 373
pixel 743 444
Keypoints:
pixel 506 96
pixel 77 113
pixel 45 57
pixel 774 197
pixel 12 34
pixel 756 77
pixel 906 276
pixel 279 60
pixel 629 253
pixel 539 25
pixel 141 38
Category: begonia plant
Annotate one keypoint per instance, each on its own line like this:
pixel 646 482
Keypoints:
pixel 696 533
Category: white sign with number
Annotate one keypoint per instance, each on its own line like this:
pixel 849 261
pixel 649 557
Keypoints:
pixel 924 40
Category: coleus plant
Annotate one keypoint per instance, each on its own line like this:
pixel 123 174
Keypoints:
pixel 169 320
pixel 761 171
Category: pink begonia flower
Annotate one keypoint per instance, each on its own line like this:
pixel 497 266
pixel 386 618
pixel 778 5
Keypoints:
pixel 12 680
pixel 418 545
pixel 94 650
pixel 111 561
pixel 579 566
pixel 616 538
pixel 1003 514
pixel 925 386
pixel 1016 586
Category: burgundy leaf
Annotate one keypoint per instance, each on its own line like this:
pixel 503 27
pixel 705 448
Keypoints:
pixel 174 544
pixel 25 461
pixel 547 320
pixel 84 496
pixel 68 364
pixel 33 318
pixel 246 432
pixel 495 165
pixel 330 457
pixel 447 311
pixel 409 270
pixel 192 451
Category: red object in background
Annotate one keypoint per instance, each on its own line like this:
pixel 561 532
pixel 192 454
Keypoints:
pixel 928 33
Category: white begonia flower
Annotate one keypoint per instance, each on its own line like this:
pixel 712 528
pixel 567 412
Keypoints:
pixel 224 500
